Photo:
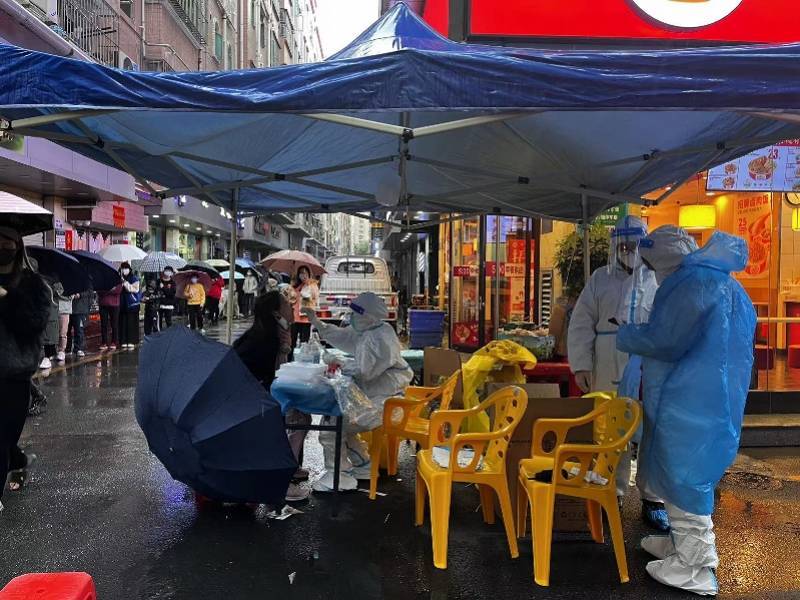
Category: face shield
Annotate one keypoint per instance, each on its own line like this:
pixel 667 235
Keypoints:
pixel 624 244
pixel 367 311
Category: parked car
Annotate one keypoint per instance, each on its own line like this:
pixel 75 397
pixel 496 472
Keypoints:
pixel 346 278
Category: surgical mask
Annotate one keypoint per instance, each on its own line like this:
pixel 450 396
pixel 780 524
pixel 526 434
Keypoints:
pixel 7 256
pixel 126 272
pixel 167 274
pixel 194 280
pixel 303 277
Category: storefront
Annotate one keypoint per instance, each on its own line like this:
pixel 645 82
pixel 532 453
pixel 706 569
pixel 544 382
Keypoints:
pixel 95 226
pixel 487 276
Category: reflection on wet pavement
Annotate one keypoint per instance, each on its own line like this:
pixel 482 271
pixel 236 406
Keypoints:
pixel 98 501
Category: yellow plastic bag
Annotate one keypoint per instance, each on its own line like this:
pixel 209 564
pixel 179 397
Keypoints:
pixel 498 361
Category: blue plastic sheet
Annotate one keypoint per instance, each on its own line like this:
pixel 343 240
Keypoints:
pixel 584 120
pixel 697 355
pixel 310 398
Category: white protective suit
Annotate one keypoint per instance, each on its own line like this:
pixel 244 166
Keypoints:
pixel 377 367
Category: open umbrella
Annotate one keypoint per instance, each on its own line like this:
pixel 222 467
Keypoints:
pixel 117 253
pixel 61 266
pixel 103 274
pixel 201 265
pixel 218 263
pixel 236 277
pixel 214 428
pixel 23 216
pixel 182 278
pixel 155 262
pixel 291 260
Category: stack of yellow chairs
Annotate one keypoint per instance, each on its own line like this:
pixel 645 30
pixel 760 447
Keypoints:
pixel 405 419
pixel 487 469
pixel 585 471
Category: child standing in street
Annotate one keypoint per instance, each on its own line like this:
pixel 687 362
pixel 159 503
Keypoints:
pixel 196 299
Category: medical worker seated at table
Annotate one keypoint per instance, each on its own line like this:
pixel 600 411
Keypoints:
pixel 377 367
pixel 592 347
pixel 697 352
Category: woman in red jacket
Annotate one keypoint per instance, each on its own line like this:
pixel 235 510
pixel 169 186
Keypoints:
pixel 212 298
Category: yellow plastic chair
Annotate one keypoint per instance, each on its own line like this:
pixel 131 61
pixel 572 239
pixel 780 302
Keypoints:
pixel 403 419
pixel 489 475
pixel 615 421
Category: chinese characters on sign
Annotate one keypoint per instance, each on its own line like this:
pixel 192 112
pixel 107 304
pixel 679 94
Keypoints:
pixel 119 217
pixel 754 225
pixel 775 169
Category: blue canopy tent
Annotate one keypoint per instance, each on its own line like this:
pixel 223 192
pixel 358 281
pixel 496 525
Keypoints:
pixel 403 119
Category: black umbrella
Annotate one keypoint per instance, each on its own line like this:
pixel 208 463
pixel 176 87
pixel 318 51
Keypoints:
pixel 103 274
pixel 208 420
pixel 61 266
pixel 199 265
pixel 23 216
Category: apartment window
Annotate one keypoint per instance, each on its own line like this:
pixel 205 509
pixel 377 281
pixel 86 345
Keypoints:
pixel 253 13
pixel 218 42
pixel 274 50
pixel 263 33
pixel 127 7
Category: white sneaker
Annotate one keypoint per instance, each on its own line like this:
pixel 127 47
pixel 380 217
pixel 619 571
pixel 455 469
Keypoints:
pixel 325 483
pixel 296 493
pixel 80 353
pixel 45 364
pixel 61 357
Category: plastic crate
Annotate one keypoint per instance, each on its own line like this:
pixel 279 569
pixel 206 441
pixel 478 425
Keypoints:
pixel 426 320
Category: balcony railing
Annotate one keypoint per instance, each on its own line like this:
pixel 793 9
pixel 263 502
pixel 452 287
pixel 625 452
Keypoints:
pixel 93 26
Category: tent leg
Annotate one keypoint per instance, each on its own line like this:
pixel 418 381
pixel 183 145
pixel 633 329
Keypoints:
pixel 587 255
pixel 232 265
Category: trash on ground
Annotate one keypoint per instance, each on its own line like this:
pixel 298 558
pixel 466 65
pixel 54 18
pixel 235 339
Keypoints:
pixel 286 512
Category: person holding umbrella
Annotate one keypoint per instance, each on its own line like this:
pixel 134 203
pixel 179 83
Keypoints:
pixel 306 296
pixel 166 293
pixel 76 340
pixel 25 301
pixel 213 298
pixel 195 298
pixel 129 308
pixel 109 317
pixel 249 290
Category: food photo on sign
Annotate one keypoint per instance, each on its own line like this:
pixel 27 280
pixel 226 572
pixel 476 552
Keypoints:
pixel 754 224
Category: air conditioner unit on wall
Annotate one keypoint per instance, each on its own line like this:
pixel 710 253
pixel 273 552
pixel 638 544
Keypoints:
pixel 126 62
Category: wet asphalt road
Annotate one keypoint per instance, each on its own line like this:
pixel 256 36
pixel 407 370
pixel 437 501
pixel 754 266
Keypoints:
pixel 97 501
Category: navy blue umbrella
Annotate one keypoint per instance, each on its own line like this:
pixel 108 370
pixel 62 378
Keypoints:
pixel 209 421
pixel 103 274
pixel 61 266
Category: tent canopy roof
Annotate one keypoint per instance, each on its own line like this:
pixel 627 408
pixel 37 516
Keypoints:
pixel 405 114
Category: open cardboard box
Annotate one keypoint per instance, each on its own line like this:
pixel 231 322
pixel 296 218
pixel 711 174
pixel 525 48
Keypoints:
pixel 544 402
pixel 438 364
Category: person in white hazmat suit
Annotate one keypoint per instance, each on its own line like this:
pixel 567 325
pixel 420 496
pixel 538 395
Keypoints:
pixel 379 370
pixel 592 336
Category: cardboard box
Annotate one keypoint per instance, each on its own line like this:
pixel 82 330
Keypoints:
pixel 437 365
pixel 569 513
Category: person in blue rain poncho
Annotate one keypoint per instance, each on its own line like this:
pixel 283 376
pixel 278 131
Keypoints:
pixel 697 355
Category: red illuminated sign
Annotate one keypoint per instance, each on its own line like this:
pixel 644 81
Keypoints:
pixel 119 217
pixel 745 21
pixel 68 239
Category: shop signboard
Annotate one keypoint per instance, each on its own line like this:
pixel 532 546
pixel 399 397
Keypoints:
pixel 738 21
pixel 753 223
pixel 465 271
pixel 119 216
pixel 771 169
pixel 68 239
pixel 609 217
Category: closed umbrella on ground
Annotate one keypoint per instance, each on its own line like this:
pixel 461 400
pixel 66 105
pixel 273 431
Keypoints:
pixel 217 431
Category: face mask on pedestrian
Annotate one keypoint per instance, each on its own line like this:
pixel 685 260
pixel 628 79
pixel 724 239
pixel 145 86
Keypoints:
pixel 126 272
pixel 194 280
pixel 303 277
pixel 167 274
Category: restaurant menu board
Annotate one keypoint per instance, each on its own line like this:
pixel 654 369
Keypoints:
pixel 771 169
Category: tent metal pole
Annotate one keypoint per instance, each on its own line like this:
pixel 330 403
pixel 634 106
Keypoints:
pixel 587 256
pixel 469 122
pixel 359 123
pixel 50 135
pixel 56 118
pixel 496 307
pixel 232 265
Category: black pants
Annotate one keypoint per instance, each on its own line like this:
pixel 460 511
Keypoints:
pixel 76 340
pixel 129 325
pixel 212 304
pixel 165 318
pixel 109 322
pixel 195 316
pixel 150 319
pixel 302 331
pixel 13 411
pixel 249 304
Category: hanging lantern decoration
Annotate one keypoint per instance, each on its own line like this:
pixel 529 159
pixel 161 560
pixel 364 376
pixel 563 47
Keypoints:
pixel 697 216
